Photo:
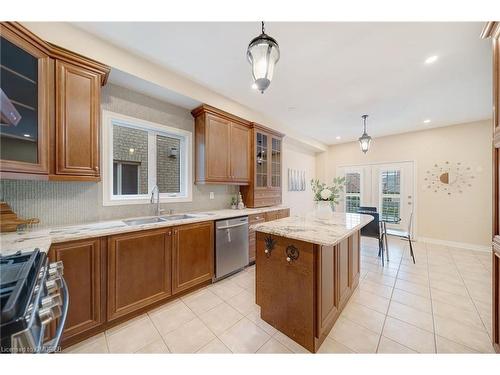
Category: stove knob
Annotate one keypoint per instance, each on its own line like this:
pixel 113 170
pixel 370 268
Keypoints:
pixel 56 268
pixel 46 315
pixel 52 300
pixel 53 285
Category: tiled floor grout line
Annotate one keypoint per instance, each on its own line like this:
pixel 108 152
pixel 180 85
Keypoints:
pixel 157 330
pixel 434 333
pixel 472 299
pixel 387 311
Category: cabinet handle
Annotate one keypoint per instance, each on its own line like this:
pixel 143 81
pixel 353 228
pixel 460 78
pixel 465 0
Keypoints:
pixel 169 233
pixel 288 259
pixel 96 168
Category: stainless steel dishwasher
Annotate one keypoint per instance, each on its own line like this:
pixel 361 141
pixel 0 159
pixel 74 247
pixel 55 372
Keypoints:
pixel 231 246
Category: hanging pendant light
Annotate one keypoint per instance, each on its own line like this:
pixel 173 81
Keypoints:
pixel 263 53
pixel 365 139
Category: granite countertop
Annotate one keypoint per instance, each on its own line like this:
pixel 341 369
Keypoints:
pixel 43 238
pixel 308 228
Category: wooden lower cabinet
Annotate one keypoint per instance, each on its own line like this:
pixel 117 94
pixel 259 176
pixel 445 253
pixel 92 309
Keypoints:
pixel 84 269
pixel 192 255
pixel 304 297
pixel 139 270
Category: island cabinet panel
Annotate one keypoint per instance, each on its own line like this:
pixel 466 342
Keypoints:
pixel 304 295
pixel 139 270
pixel 77 120
pixel 286 288
pixel 84 263
pixel 354 260
pixel 343 269
pixel 192 255
pixel 328 301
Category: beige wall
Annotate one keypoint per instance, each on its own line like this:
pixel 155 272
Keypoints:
pixel 462 218
pixel 296 157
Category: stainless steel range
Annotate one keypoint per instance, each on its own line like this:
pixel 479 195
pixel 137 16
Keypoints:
pixel 33 294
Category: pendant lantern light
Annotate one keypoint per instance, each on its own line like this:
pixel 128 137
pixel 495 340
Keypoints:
pixel 365 139
pixel 263 53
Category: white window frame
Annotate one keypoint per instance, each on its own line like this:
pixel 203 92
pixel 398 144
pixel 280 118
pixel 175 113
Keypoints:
pixel 185 155
pixel 346 194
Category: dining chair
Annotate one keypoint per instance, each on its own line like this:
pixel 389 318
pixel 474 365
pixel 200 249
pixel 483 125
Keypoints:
pixel 407 236
pixel 372 229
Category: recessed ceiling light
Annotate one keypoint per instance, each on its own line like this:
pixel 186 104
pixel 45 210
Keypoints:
pixel 337 137
pixel 431 59
pixel 427 121
pixel 27 135
pixel 254 86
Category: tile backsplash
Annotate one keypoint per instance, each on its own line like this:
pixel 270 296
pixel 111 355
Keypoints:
pixel 66 203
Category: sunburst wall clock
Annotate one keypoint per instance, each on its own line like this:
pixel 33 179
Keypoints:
pixel 450 178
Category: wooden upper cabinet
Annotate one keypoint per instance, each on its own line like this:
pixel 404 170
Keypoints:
pixel 77 120
pixel 25 102
pixel 266 161
pixel 240 153
pixel 218 140
pixel 56 94
pixel 222 146
pixel 84 264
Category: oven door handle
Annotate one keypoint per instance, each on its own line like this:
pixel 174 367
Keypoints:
pixel 53 344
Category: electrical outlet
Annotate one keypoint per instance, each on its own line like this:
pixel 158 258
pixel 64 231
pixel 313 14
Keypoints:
pixel 212 195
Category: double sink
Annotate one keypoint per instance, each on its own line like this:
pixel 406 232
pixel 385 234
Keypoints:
pixel 160 219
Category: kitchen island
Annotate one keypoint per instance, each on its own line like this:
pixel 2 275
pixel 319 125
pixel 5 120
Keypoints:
pixel 306 270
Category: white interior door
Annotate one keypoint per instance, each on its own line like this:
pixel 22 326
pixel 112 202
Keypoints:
pixel 389 187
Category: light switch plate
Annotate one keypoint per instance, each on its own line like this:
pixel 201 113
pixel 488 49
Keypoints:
pixel 212 195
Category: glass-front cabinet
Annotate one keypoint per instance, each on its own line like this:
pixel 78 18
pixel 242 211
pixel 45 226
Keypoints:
pixel 265 186
pixel 261 160
pixel 275 163
pixel 24 70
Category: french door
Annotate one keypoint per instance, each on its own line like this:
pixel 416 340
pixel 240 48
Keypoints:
pixel 389 187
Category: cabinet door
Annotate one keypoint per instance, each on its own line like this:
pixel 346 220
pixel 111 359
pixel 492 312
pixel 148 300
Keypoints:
pixel 344 286
pixel 83 263
pixel 253 219
pixel 328 299
pixel 192 255
pixel 24 99
pixel 240 153
pixel 354 260
pixel 77 120
pixel 218 151
pixel 139 270
pixel 261 160
pixel 275 170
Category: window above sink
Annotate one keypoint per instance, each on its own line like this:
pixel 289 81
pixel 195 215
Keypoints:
pixel 139 154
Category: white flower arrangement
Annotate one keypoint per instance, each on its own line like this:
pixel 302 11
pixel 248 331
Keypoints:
pixel 323 192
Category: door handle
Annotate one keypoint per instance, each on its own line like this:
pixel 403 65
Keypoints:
pixel 232 226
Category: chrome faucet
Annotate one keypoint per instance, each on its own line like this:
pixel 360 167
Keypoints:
pixel 157 190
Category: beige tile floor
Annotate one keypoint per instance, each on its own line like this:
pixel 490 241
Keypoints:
pixel 441 304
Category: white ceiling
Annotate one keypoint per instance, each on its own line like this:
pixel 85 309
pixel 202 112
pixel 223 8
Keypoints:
pixel 330 74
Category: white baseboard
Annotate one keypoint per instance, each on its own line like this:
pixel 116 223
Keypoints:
pixel 460 245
